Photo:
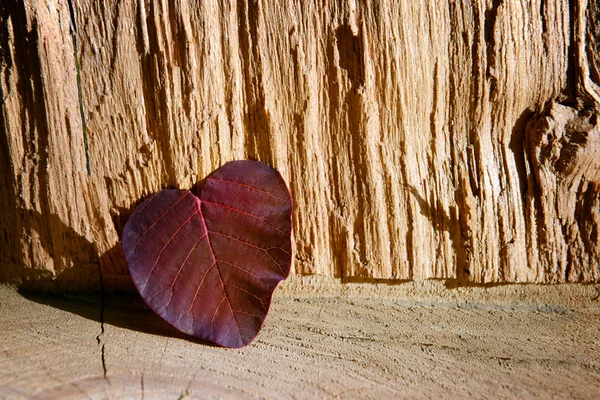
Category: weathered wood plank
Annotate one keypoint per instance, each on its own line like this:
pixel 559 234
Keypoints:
pixel 401 129
pixel 309 348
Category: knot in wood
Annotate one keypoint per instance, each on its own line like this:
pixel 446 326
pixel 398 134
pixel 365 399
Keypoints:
pixel 566 142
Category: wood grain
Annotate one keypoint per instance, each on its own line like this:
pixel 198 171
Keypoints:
pixel 404 131
pixel 56 347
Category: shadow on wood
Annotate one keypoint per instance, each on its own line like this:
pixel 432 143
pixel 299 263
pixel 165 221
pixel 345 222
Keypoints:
pixel 120 310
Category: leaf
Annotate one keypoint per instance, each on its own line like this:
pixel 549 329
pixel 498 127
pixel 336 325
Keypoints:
pixel 208 265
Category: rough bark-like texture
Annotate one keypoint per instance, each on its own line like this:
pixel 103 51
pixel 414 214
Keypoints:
pixel 411 133
pixel 563 199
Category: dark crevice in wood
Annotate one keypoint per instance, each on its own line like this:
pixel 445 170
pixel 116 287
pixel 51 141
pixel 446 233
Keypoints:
pixel 571 89
pixel 442 221
pixel 491 16
pixel 79 91
pixel 104 362
pixel 100 337
pixel 351 55
pixel 181 53
pixel 544 23
pixel 517 147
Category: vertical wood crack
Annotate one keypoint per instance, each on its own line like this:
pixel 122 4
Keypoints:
pixel 100 338
pixel 142 386
pixel 79 92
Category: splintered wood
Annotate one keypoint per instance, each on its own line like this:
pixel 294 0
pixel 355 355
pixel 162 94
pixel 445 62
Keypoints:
pixel 413 135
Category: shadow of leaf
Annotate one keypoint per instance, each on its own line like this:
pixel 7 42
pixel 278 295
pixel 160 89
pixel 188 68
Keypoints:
pixel 126 311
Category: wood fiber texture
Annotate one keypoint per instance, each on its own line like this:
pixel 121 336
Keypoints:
pixel 327 348
pixel 410 133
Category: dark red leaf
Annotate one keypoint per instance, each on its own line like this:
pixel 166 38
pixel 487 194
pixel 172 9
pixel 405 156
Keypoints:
pixel 209 265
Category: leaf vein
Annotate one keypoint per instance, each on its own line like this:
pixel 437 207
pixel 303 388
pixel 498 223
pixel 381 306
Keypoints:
pixel 249 187
pixel 155 222
pixel 261 219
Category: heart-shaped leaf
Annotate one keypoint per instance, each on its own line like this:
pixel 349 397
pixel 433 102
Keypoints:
pixel 208 265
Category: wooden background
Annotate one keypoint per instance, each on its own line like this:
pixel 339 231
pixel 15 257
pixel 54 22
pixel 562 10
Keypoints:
pixel 452 140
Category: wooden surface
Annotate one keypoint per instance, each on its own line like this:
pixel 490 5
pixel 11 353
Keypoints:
pixel 53 347
pixel 414 136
